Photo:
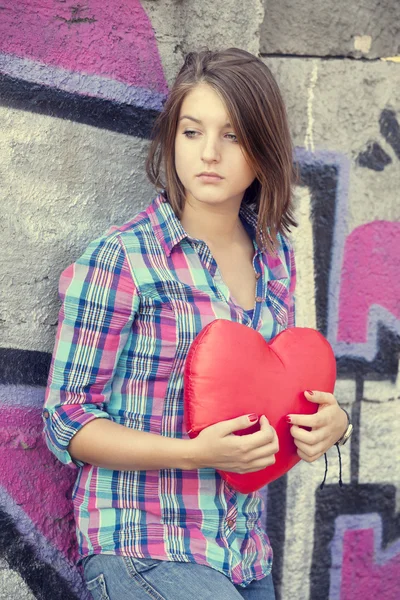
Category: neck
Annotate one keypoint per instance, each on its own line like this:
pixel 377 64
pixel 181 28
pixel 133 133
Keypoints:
pixel 216 225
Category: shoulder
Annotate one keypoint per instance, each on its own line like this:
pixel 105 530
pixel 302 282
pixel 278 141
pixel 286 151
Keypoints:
pixel 135 228
pixel 138 224
pixel 108 251
pixel 132 234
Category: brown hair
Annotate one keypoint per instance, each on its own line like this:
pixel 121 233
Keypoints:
pixel 258 115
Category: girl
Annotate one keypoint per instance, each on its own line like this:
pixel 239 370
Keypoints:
pixel 154 518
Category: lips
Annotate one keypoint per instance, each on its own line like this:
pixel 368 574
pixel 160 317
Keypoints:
pixel 210 174
pixel 205 174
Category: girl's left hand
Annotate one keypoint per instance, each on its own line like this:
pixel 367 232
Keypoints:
pixel 327 426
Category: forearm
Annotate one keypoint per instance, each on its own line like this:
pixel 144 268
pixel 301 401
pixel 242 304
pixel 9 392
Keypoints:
pixel 106 444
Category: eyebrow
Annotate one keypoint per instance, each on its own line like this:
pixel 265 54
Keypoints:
pixel 200 122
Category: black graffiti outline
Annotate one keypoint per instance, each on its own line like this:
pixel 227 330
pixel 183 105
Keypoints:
pixel 374 157
pixel 97 112
pixel 350 500
pixel 41 578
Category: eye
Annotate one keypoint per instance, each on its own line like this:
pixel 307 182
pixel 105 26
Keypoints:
pixel 189 133
pixel 232 136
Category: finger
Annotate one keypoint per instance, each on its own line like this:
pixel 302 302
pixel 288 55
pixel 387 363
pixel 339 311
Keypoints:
pixel 308 450
pixel 265 435
pixel 264 423
pixel 262 458
pixel 307 458
pixel 231 425
pixel 315 420
pixel 308 437
pixel 271 447
pixel 261 464
pixel 319 397
pixel 264 452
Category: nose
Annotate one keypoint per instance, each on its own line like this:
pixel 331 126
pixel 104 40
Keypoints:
pixel 210 151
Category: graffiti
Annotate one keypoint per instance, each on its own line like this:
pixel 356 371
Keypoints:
pixel 374 157
pixel 39 576
pixel 339 266
pixel 35 499
pixel 37 524
pixel 390 129
pixel 366 301
pixel 23 367
pixel 326 176
pixel 91 66
pixel 356 537
pixel 356 550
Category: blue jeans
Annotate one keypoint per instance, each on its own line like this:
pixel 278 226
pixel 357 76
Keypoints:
pixel 110 577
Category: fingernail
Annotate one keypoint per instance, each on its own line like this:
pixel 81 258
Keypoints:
pixel 288 419
pixel 310 392
pixel 253 417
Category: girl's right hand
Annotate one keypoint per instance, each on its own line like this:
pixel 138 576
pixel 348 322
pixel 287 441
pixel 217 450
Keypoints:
pixel 218 448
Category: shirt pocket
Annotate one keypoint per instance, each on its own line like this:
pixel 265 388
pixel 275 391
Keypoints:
pixel 278 299
pixel 172 291
pixel 189 307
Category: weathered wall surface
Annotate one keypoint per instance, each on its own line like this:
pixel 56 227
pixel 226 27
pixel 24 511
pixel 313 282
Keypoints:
pixel 80 85
pixel 367 29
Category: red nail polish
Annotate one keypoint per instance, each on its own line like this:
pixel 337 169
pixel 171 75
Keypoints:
pixel 253 417
pixel 288 419
pixel 310 392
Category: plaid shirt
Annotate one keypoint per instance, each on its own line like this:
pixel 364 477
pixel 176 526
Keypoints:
pixel 131 306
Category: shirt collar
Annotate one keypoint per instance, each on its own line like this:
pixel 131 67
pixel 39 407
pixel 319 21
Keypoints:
pixel 169 231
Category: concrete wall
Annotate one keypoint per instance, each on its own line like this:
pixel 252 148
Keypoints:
pixel 80 86
pixel 366 29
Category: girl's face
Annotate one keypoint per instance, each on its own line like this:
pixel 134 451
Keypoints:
pixel 206 142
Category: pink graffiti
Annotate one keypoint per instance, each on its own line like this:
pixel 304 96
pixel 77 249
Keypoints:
pixel 35 480
pixel 362 577
pixel 370 276
pixel 97 37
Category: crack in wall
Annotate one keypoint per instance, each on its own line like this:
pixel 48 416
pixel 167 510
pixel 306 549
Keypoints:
pixel 326 57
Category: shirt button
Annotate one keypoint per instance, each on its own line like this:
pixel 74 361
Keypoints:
pixel 230 523
pixel 46 414
pixel 259 299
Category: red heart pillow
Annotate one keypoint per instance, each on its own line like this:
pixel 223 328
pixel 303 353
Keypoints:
pixel 232 371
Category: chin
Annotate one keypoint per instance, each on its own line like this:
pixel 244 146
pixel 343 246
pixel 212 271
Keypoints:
pixel 209 199
pixel 208 194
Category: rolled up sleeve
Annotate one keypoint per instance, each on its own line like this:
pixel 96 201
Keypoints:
pixel 99 303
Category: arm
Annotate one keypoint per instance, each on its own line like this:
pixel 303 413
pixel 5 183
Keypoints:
pixel 112 446
pixel 106 444
pixel 99 304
